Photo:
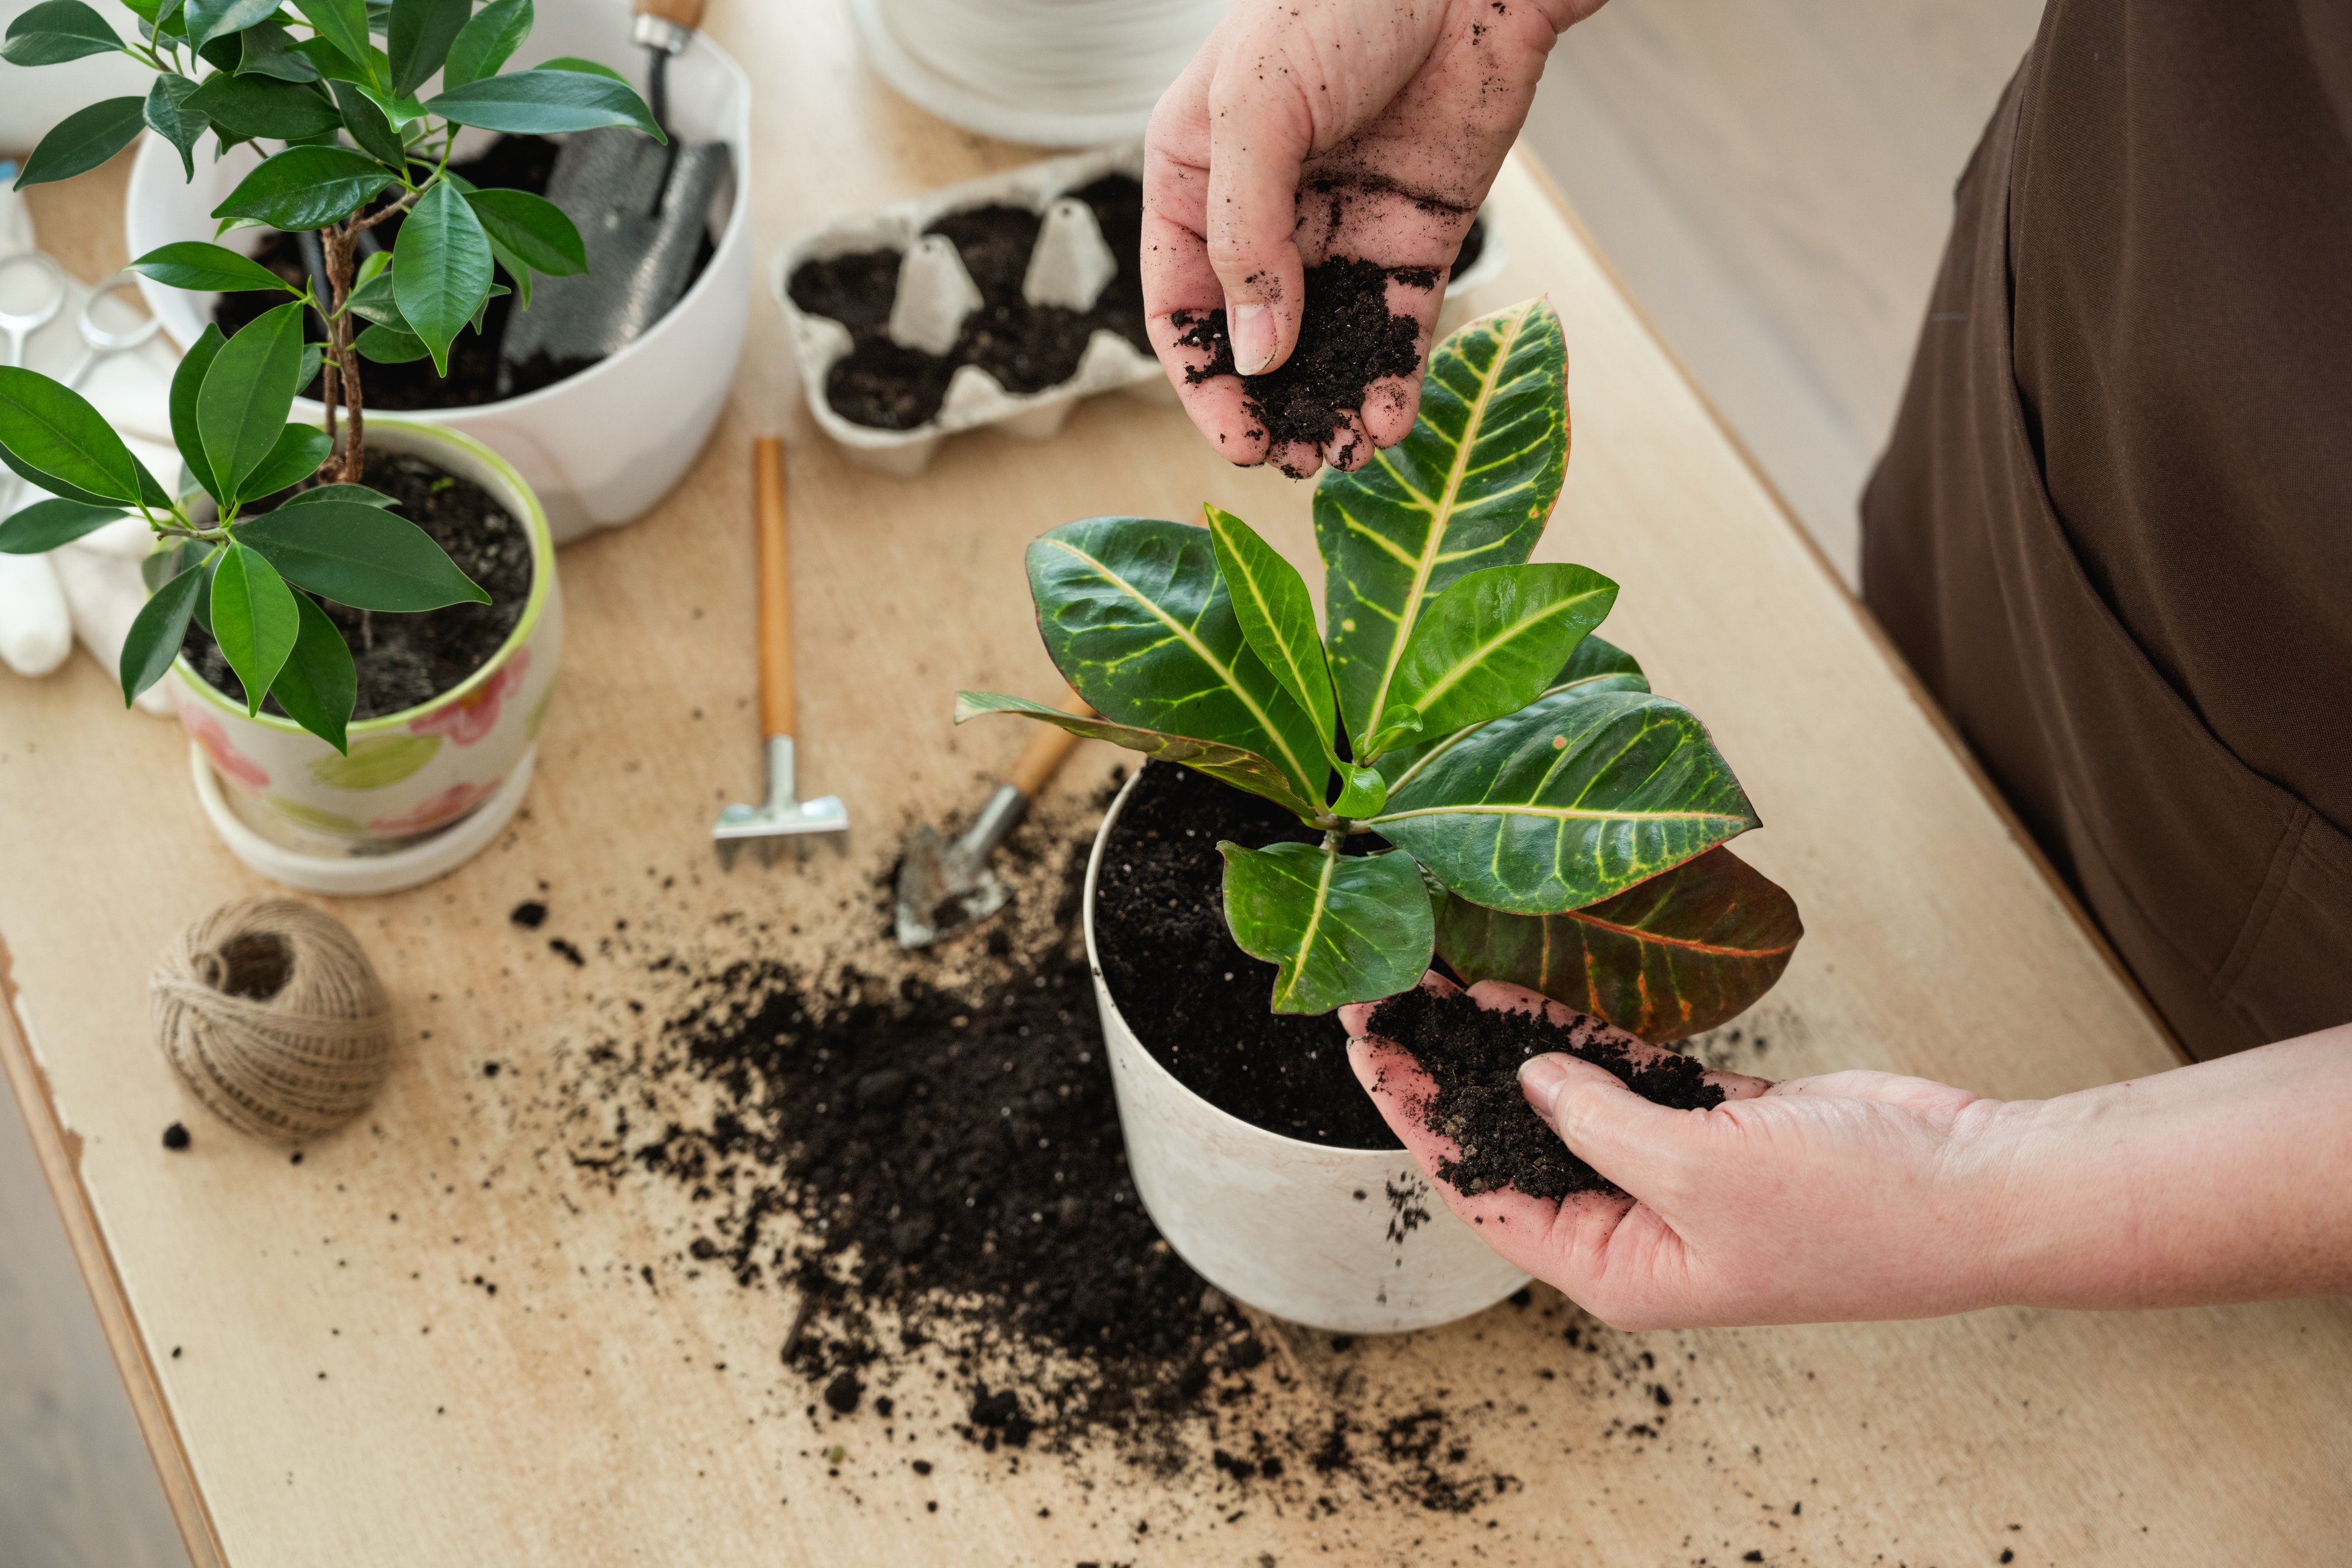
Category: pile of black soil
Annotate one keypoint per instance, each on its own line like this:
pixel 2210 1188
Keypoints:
pixel 1473 1057
pixel 1200 1004
pixel 510 163
pixel 1027 348
pixel 1348 339
pixel 405 660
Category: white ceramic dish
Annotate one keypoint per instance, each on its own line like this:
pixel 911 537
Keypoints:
pixel 599 448
pixel 1352 1241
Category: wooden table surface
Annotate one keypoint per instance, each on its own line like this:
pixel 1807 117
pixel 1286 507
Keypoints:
pixel 267 1316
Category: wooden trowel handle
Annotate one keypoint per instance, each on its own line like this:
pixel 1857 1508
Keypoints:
pixel 1046 748
pixel 775 580
pixel 686 14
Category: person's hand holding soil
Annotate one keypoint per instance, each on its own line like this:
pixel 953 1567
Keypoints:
pixel 1868 1196
pixel 1314 130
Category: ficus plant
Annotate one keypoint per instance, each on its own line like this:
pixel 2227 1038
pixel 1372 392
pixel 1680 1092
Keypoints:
pixel 357 147
pixel 1492 783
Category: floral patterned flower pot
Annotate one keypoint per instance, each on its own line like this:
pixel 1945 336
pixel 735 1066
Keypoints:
pixel 410 780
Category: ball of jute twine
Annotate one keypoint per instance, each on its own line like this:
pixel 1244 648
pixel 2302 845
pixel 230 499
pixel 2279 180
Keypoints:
pixel 274 1019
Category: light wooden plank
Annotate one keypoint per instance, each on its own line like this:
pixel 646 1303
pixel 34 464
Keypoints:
pixel 577 1418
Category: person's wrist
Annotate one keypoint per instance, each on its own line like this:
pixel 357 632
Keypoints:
pixel 2002 1181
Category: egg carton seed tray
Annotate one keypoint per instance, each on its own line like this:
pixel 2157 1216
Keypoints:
pixel 921 335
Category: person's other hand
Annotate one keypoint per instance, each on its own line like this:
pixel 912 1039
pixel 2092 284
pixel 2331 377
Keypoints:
pixel 1853 1196
pixel 1307 128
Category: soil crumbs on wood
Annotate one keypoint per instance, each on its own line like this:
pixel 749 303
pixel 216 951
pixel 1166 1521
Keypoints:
pixel 403 659
pixel 1473 1057
pixel 1347 340
pixel 926 1176
pixel 1202 1005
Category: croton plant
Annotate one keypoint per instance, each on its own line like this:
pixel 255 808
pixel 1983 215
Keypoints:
pixel 357 146
pixel 1551 820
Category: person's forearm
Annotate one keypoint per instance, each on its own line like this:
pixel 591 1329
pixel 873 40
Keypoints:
pixel 2231 1180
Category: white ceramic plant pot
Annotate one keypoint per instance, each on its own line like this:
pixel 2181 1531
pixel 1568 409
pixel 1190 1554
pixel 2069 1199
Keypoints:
pixel 602 447
pixel 1348 1240
pixel 418 792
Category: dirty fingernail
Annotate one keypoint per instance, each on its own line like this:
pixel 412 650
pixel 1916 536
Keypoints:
pixel 1253 337
pixel 1540 1079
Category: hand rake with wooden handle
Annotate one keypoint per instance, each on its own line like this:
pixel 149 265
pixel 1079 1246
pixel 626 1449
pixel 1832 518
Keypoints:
pixel 785 815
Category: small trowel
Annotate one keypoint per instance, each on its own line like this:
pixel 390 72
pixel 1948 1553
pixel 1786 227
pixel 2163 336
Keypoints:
pixel 945 886
pixel 643 210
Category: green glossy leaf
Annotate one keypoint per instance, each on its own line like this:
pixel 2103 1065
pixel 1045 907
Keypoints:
pixel 1470 487
pixel 440 269
pixel 343 24
pixel 187 385
pixel 1567 802
pixel 1363 792
pixel 369 126
pixel 83 140
pixel 1491 643
pixel 306 187
pixel 56 31
pixel 487 42
pixel 515 268
pixel 359 555
pixel 318 684
pixel 1135 617
pixel 254 619
pixel 52 430
pixel 1278 619
pixel 390 345
pixel 192 263
pixel 334 65
pixel 372 297
pixel 313 356
pixel 1338 927
pixel 1683 952
pixel 50 482
pixel 295 456
pixel 575 63
pixel 418 38
pixel 251 106
pixel 532 229
pixel 1596 666
pixel 544 103
pixel 211 20
pixel 358 493
pixel 1241 769
pixel 399 108
pixel 169 114
pixel 269 50
pixel 45 525
pixel 241 410
pixel 156 632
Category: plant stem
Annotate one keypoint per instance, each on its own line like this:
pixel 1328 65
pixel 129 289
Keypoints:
pixel 339 242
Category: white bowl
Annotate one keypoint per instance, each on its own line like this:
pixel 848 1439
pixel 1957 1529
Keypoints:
pixel 599 448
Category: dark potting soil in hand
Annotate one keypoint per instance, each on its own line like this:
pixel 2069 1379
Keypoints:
pixel 1202 1005
pixel 1348 339
pixel 405 660
pixel 1473 1054
pixel 510 163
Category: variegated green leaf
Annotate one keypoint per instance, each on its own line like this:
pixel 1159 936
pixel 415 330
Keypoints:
pixel 1338 927
pixel 1228 764
pixel 1491 643
pixel 1572 799
pixel 1683 952
pixel 1470 487
pixel 1135 617
pixel 1596 666
pixel 1278 617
